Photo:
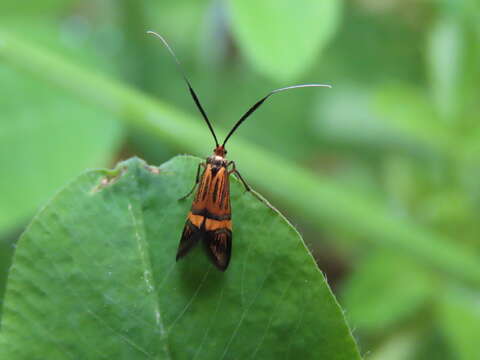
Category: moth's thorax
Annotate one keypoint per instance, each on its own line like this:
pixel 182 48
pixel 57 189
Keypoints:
pixel 217 161
pixel 218 157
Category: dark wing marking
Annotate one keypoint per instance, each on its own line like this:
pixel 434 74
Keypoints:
pixel 190 236
pixel 218 245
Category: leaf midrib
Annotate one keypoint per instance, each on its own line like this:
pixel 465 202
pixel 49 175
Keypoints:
pixel 145 256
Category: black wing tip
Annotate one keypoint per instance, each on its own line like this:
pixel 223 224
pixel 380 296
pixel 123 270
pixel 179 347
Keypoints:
pixel 218 245
pixel 190 236
pixel 221 267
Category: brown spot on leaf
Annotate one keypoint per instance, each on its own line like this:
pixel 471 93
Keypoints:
pixel 152 169
pixel 108 180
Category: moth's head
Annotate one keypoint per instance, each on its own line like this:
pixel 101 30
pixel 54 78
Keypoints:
pixel 220 151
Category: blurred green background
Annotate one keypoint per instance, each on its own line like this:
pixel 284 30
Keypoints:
pixel 399 130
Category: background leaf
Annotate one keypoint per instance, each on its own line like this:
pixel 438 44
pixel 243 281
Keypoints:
pixel 459 317
pixel 41 122
pixel 384 291
pixel 32 8
pixel 47 136
pixel 94 276
pixel 401 347
pixel 282 40
pixel 445 58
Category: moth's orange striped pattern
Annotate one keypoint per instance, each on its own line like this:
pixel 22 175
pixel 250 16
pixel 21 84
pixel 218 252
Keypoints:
pixel 210 217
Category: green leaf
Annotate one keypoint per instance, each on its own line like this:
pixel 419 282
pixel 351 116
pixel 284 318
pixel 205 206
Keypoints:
pixel 445 52
pixel 388 117
pixel 33 8
pixel 432 346
pixel 94 277
pixel 280 38
pixel 385 289
pixel 452 55
pixel 411 118
pixel 47 136
pixel 400 347
pixel 459 318
pixel 7 247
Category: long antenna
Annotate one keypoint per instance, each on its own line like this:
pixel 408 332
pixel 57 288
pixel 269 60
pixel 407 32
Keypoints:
pixel 261 101
pixel 192 92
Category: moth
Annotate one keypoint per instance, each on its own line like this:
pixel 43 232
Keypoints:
pixel 210 217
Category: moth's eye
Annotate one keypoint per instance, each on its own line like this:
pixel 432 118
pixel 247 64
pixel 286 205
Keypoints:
pixel 226 152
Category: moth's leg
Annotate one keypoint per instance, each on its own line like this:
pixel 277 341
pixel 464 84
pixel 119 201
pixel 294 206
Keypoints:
pixel 235 171
pixel 197 179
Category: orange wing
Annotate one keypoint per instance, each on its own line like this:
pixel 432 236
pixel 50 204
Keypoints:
pixel 210 218
pixel 213 194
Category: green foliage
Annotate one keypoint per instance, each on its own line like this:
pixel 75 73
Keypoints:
pixel 43 159
pixel 384 166
pixel 401 347
pixel 47 136
pixel 384 290
pixel 289 42
pixel 459 319
pixel 94 276
pixel 33 8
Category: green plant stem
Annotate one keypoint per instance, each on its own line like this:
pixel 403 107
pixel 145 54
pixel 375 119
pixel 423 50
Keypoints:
pixel 319 200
